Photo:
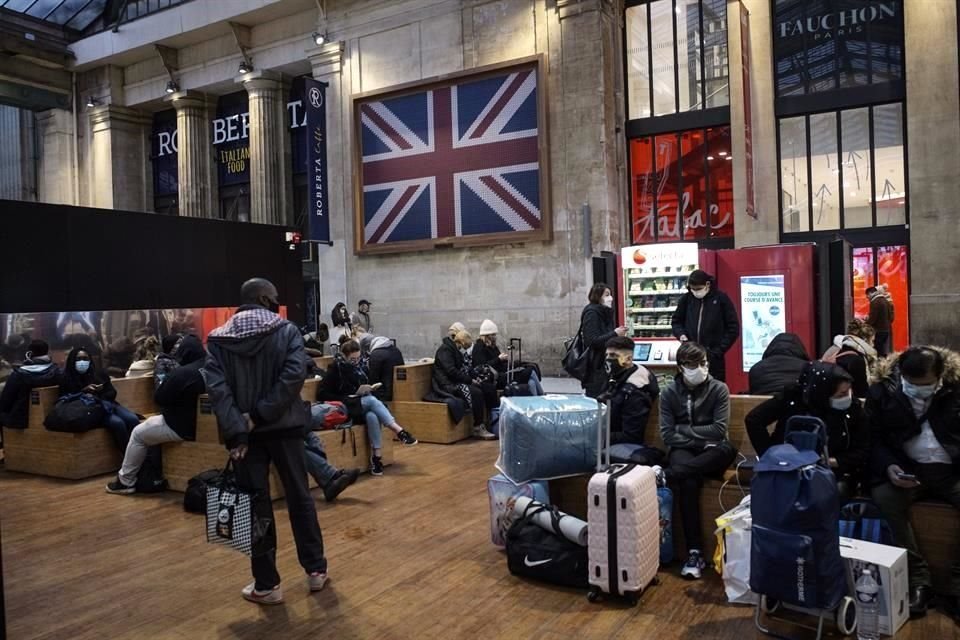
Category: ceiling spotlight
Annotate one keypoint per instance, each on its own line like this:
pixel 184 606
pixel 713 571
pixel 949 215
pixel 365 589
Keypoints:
pixel 319 38
pixel 172 87
pixel 245 67
pixel 722 153
pixel 91 103
pixel 709 157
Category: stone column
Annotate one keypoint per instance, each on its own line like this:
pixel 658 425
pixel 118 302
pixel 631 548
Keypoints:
pixel 268 201
pixel 932 135
pixel 57 169
pixel 327 63
pixel 119 159
pixel 197 185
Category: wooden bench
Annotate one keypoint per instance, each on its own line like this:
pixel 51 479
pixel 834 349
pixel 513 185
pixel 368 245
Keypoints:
pixel 428 421
pixel 323 362
pixel 71 455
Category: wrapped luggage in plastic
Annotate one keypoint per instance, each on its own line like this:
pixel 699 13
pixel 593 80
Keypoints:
pixel 546 437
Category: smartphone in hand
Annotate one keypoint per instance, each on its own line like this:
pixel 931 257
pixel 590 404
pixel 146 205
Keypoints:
pixel 907 476
pixel 376 385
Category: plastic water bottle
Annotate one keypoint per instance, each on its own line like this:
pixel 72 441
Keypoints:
pixel 868 607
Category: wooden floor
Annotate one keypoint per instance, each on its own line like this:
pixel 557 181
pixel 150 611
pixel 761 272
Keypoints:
pixel 409 556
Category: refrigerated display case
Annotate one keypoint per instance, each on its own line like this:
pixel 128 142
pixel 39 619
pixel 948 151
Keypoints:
pixel 652 280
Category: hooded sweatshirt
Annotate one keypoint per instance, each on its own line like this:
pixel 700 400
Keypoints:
pixel 782 363
pixel 384 358
pixel 256 366
pixel 177 394
pixel 15 399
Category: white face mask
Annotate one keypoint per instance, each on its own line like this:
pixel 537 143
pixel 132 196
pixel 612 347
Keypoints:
pixel 696 375
pixel 918 391
pixel 701 294
pixel 841 404
pixel 608 301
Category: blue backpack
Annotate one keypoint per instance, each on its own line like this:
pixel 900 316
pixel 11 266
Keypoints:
pixel 795 547
pixel 862 519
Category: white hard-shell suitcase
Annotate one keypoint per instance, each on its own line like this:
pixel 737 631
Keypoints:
pixel 623 518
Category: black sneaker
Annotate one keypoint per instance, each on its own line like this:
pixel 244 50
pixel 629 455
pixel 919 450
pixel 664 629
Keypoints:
pixel 376 466
pixel 406 438
pixel 343 479
pixel 119 488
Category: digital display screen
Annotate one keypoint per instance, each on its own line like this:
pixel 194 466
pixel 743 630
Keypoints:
pixel 641 352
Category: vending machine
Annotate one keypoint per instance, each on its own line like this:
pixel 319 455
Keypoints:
pixel 652 280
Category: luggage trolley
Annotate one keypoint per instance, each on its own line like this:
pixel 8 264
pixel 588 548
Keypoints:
pixel 808 433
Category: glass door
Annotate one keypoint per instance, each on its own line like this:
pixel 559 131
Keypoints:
pixel 889 266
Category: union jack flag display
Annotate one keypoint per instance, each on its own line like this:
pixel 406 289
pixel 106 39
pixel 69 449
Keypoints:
pixel 454 161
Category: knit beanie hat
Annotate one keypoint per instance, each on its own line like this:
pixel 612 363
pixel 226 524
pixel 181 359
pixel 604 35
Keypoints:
pixel 487 328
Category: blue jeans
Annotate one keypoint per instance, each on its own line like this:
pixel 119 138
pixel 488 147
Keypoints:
pixel 536 389
pixel 120 424
pixel 317 464
pixel 376 414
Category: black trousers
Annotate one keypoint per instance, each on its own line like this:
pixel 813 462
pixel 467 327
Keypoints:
pixel 718 366
pixel 881 342
pixel 253 473
pixel 688 468
pixel 478 402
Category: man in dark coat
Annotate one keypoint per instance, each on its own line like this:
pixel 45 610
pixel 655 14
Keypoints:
pixel 914 417
pixel 37 371
pixel 781 365
pixel 254 374
pixel 706 315
pixel 631 390
pixel 880 318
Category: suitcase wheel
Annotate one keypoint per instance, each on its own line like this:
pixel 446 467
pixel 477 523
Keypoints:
pixel 633 597
pixel 593 594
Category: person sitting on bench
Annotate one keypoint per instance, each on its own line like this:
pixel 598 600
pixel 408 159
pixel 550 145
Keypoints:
pixel 333 481
pixel 914 417
pixel 346 378
pixel 36 371
pixel 82 376
pixel 631 390
pixel 823 391
pixel 166 361
pixel 382 358
pixel 452 377
pixel 177 399
pixel 783 361
pixel 694 412
pixel 145 353
pixel 486 352
pixel 855 353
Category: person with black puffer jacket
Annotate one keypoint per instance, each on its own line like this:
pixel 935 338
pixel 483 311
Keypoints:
pixel 177 399
pixel 81 375
pixel 631 391
pixel 451 377
pixel 706 315
pixel 37 371
pixel 384 357
pixel 783 361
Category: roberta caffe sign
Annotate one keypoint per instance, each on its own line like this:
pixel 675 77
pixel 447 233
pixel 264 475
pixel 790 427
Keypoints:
pixel 821 21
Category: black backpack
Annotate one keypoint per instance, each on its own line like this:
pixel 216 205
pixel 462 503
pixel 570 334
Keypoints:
pixel 150 478
pixel 195 497
pixel 534 552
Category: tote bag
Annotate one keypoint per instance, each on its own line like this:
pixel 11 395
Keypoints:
pixel 231 516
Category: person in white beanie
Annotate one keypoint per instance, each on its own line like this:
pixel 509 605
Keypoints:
pixel 486 352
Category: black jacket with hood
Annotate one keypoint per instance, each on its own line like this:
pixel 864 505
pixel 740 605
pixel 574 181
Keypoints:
pixel 598 326
pixel 15 399
pixel 448 367
pixel 632 394
pixel 256 365
pixel 782 363
pixel 384 358
pixel 177 394
pixel 848 434
pixel 893 421
pixel 75 382
pixel 694 418
pixel 711 322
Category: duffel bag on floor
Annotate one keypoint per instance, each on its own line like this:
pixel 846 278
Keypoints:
pixel 534 552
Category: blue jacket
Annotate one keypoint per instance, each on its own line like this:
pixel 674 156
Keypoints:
pixel 15 399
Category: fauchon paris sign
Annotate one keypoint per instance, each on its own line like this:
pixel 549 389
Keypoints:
pixel 839 23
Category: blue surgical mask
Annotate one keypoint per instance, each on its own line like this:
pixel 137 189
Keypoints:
pixel 918 391
pixel 841 404
pixel 82 366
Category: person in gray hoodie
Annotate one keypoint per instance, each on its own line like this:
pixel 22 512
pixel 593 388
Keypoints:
pixel 694 412
pixel 37 371
pixel 254 372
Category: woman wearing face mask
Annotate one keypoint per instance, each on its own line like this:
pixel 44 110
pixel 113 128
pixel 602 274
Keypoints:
pixel 694 411
pixel 80 375
pixel 598 326
pixel 707 316
pixel 347 376
pixel 451 377
pixel 823 391
pixel 914 417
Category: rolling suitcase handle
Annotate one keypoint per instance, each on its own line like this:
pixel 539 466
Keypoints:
pixel 603 434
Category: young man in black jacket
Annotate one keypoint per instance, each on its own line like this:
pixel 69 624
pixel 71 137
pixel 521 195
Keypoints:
pixel 37 371
pixel 914 417
pixel 631 391
pixel 706 315
pixel 177 399
pixel 254 373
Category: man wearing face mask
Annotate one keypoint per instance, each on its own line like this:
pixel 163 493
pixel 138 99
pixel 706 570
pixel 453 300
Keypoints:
pixel 694 412
pixel 706 316
pixel 914 416
pixel 631 390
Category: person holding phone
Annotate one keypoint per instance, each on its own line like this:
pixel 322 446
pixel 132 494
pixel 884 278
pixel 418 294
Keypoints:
pixel 914 417
pixel 598 325
pixel 81 375
pixel 346 379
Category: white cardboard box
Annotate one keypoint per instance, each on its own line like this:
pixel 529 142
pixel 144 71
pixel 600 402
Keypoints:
pixel 889 568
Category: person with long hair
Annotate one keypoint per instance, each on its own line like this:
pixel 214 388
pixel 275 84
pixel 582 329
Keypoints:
pixel 598 326
pixel 81 375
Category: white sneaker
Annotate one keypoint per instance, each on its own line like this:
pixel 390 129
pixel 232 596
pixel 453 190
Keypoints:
pixel 317 581
pixel 273 596
pixel 482 433
pixel 694 566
